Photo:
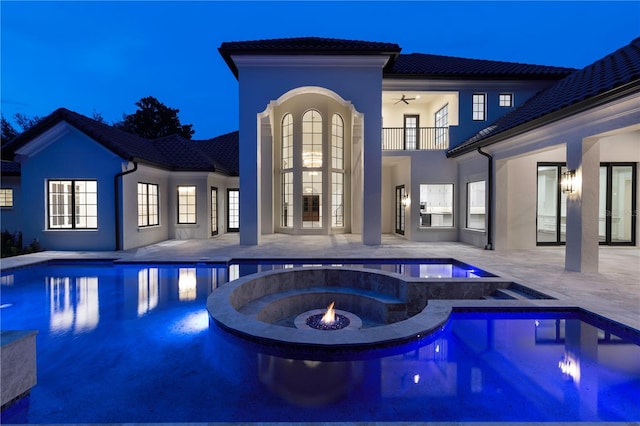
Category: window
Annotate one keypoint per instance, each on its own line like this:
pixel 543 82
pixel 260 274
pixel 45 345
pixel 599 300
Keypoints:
pixel 233 210
pixel 312 200
pixel 312 139
pixel 186 204
pixel 442 122
pixel 148 204
pixel 214 211
pixel 505 99
pixel 6 197
pixel 286 218
pixel 287 200
pixel 411 125
pixel 479 106
pixel 73 204
pixel 337 175
pixel 287 141
pixel 436 205
pixel 476 205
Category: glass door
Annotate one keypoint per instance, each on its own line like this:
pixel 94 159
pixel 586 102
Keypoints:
pixel 400 197
pixel 551 219
pixel 214 211
pixel 411 132
pixel 617 204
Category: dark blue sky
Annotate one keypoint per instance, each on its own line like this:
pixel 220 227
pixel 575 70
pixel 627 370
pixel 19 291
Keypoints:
pixel 104 56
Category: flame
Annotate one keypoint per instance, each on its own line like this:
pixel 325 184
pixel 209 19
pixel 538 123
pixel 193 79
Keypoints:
pixel 330 316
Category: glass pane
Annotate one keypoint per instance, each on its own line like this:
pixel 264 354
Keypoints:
pixel 436 205
pixel 312 200
pixel 563 211
pixel 476 205
pixel 621 196
pixel 547 204
pixel 602 206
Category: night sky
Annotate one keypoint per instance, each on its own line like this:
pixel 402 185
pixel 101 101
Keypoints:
pixel 105 56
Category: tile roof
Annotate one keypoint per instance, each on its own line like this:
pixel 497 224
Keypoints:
pixel 616 71
pixel 438 66
pixel 305 46
pixel 171 152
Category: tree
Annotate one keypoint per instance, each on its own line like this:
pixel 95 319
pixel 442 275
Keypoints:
pixel 153 120
pixel 8 131
pixel 26 122
pixel 97 116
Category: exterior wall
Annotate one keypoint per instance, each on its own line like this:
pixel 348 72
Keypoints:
pixel 66 158
pixel 11 217
pixel 132 235
pixel 202 228
pixel 222 183
pixel 472 168
pixel 412 168
pixel 467 127
pixel 359 82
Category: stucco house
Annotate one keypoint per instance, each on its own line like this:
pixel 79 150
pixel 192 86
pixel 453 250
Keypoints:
pixel 344 136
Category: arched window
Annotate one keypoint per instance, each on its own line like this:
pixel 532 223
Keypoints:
pixel 287 141
pixel 337 174
pixel 287 174
pixel 312 169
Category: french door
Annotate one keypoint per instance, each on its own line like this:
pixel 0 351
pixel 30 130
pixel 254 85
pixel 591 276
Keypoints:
pixel 617 213
pixel 411 134
pixel 214 211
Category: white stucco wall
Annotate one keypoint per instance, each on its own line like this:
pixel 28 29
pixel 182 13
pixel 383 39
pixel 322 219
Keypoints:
pixel 11 217
pixel 63 153
pixel 132 235
pixel 355 79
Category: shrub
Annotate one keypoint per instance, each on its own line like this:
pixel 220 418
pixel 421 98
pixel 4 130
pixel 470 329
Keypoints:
pixel 12 244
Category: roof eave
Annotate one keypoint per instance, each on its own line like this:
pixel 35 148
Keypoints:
pixel 593 102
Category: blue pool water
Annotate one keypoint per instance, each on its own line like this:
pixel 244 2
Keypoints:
pixel 133 343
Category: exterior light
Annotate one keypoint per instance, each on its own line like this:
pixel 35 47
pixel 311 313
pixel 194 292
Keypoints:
pixel 406 200
pixel 568 181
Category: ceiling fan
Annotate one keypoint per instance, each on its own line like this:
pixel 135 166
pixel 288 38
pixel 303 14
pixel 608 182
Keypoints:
pixel 403 99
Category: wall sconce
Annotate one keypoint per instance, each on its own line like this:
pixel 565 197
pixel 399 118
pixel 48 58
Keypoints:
pixel 406 201
pixel 568 181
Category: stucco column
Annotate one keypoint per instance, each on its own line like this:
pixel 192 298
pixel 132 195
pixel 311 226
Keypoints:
pixel 582 247
pixel 372 182
pixel 249 147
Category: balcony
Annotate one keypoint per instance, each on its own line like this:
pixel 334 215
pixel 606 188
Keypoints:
pixel 415 139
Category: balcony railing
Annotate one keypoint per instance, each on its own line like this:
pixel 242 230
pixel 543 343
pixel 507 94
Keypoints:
pixel 422 138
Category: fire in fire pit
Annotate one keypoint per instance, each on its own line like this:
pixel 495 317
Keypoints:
pixel 330 320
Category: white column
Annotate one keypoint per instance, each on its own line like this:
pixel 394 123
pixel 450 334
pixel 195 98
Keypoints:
pixel 582 247
pixel 372 172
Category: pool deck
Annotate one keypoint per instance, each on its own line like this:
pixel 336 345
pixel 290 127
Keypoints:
pixel 613 292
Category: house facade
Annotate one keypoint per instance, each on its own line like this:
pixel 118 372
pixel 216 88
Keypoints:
pixel 342 136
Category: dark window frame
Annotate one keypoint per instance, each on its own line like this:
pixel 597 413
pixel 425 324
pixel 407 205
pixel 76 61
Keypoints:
pixel 147 203
pixel 195 204
pixel 73 205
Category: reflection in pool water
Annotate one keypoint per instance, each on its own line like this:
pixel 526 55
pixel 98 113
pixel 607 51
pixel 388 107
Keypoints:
pixel 125 344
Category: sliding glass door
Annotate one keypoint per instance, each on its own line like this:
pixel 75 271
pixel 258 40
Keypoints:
pixel 617 204
pixel 616 209
pixel 551 206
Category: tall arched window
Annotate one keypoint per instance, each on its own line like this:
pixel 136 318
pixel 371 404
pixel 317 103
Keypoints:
pixel 287 171
pixel 312 169
pixel 337 174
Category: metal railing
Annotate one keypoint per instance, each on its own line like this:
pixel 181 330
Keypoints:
pixel 421 138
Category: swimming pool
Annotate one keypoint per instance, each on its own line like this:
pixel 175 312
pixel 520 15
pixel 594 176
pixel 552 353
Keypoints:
pixel 422 268
pixel 133 343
